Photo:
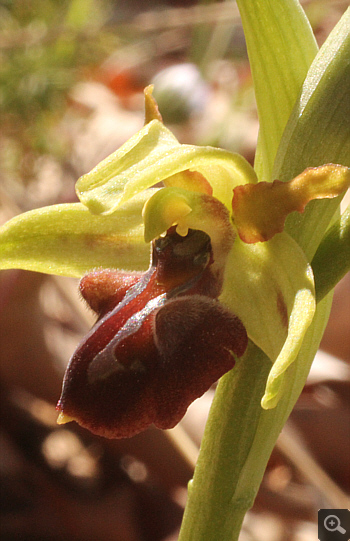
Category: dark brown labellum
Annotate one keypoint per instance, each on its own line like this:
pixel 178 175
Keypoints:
pixel 161 340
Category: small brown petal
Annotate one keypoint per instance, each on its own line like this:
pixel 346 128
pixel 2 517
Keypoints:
pixel 260 210
pixel 104 288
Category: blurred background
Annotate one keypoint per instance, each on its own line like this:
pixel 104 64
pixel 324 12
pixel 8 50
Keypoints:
pixel 71 81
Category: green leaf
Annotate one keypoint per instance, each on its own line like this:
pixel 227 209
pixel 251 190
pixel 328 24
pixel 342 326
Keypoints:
pixel 266 285
pixel 149 157
pixel 332 259
pixel 281 47
pixel 68 240
pixel 318 131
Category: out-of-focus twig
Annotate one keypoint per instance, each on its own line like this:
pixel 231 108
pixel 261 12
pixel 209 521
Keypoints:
pixel 292 447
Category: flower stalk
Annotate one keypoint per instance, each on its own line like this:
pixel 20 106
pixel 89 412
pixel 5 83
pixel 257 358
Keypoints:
pixel 232 461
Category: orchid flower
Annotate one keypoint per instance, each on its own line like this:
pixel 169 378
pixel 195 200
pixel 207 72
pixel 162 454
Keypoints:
pixel 242 242
pixel 259 274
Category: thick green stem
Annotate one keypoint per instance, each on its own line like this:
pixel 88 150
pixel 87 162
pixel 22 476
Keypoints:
pixel 228 436
pixel 239 439
pixel 240 435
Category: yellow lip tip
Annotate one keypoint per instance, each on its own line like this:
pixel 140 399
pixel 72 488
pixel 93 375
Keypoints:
pixel 62 418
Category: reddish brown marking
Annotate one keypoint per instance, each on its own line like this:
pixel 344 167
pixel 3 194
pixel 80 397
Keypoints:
pixel 282 309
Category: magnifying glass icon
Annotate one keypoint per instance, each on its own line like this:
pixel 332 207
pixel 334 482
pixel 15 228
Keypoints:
pixel 332 524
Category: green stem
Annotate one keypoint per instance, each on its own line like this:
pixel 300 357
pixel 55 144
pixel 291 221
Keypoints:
pixel 239 438
pixel 228 436
pixel 332 259
pixel 240 435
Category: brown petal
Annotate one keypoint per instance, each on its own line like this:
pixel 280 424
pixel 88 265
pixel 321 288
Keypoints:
pixel 104 288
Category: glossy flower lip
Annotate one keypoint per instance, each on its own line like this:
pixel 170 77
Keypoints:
pixel 162 342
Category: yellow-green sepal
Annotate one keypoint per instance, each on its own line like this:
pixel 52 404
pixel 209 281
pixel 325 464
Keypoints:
pixel 270 287
pixel 68 240
pixel 150 157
